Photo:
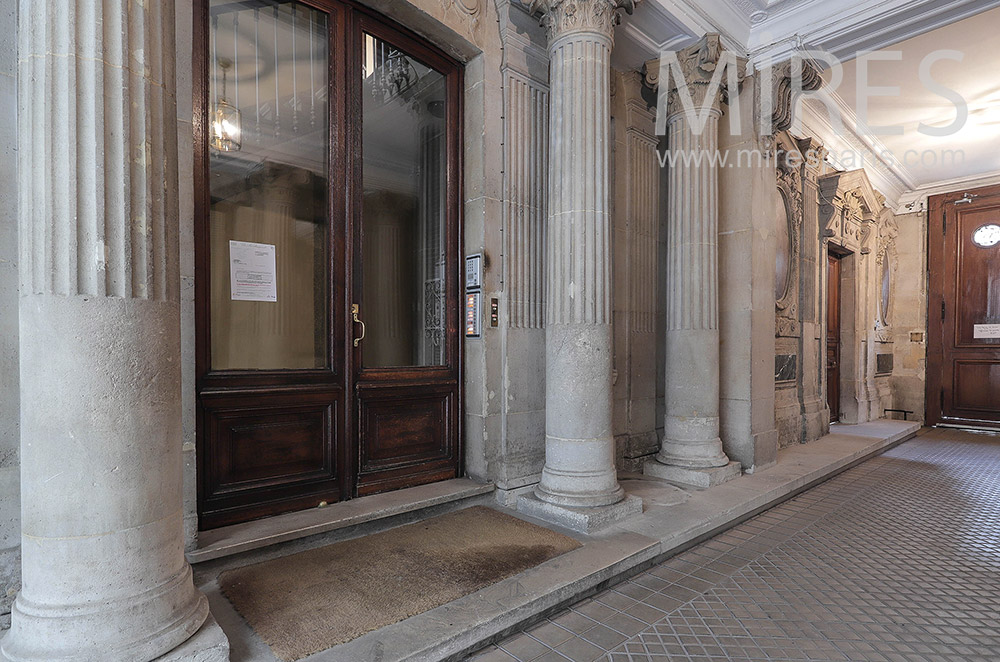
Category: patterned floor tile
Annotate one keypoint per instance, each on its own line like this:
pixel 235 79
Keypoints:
pixel 896 560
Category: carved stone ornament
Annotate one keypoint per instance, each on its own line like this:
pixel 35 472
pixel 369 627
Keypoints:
pixel 886 267
pixel 789 175
pixel 472 12
pixel 790 186
pixel 563 16
pixel 782 90
pixel 849 209
pixel 698 63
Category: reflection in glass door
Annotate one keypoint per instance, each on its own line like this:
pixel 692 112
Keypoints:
pixel 326 192
pixel 403 209
pixel 406 267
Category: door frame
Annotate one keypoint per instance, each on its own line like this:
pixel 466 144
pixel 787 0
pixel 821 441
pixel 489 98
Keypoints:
pixel 306 387
pixel 938 211
pixel 831 257
pixel 851 362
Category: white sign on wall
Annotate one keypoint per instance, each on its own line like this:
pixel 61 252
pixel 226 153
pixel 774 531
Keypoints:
pixel 252 271
pixel 986 331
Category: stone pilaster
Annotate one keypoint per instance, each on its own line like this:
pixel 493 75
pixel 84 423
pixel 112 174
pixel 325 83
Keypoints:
pixel 579 474
pixel 635 246
pixel 104 574
pixel 691 425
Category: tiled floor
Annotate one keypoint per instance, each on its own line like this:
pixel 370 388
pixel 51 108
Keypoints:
pixel 897 559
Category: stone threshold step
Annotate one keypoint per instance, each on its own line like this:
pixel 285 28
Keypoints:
pixel 239 538
pixel 450 632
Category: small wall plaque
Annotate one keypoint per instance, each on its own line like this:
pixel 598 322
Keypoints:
pixel 986 331
pixel 785 367
pixel 883 364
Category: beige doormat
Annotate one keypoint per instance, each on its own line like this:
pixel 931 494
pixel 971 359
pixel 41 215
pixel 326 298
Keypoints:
pixel 307 602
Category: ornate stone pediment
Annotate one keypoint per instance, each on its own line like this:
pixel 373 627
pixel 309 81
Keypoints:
pixel 560 17
pixel 849 208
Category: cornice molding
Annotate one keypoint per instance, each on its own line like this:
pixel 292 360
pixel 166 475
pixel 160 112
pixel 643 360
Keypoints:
pixel 815 122
pixel 916 200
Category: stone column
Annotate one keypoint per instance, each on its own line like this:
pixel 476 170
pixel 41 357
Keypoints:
pixel 579 486
pixel 104 574
pixel 691 451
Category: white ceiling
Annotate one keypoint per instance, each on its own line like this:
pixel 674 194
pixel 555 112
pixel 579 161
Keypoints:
pixel 771 30
pixel 975 79
pixel 778 27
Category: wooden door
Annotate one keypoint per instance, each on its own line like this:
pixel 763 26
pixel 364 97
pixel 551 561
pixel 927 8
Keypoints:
pixel 963 350
pixel 327 198
pixel 407 368
pixel 833 336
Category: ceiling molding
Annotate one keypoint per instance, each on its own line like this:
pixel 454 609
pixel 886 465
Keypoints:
pixel 812 121
pixel 844 28
pixel 916 200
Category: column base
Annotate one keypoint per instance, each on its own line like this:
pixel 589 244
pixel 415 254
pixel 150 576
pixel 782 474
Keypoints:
pixel 706 454
pixel 699 478
pixel 209 644
pixel 584 520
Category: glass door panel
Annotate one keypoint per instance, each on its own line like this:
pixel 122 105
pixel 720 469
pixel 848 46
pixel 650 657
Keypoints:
pixel 403 225
pixel 269 137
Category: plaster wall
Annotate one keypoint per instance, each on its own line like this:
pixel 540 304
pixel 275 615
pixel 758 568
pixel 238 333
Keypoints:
pixel 10 515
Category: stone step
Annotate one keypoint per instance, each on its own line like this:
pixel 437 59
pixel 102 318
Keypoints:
pixel 375 510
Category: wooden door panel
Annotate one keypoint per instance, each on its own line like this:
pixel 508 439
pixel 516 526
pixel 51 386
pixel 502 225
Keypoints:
pixel 963 372
pixel 409 435
pixel 977 288
pixel 977 384
pixel 270 454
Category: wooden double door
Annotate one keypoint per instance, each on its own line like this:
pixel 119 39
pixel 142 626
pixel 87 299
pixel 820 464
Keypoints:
pixel 327 257
pixel 963 343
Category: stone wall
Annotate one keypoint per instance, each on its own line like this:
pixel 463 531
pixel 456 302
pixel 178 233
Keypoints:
pixel 636 221
pixel 10 518
pixel 909 315
pixel 746 294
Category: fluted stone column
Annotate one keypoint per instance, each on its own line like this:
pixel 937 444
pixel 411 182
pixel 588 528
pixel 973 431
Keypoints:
pixel 691 451
pixel 579 485
pixel 104 574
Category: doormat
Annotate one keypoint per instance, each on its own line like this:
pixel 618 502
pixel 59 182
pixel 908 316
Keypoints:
pixel 309 601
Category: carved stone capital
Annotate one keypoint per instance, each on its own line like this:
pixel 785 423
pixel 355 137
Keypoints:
pixel 698 65
pixel 561 17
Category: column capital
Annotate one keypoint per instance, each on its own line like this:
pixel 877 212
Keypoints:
pixel 560 17
pixel 697 65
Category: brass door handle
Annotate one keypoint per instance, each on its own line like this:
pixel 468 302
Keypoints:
pixel 354 313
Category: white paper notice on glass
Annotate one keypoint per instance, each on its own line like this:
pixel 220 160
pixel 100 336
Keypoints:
pixel 252 271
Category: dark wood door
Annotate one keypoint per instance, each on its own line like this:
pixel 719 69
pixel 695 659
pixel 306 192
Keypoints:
pixel 963 351
pixel 833 336
pixel 407 367
pixel 327 257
